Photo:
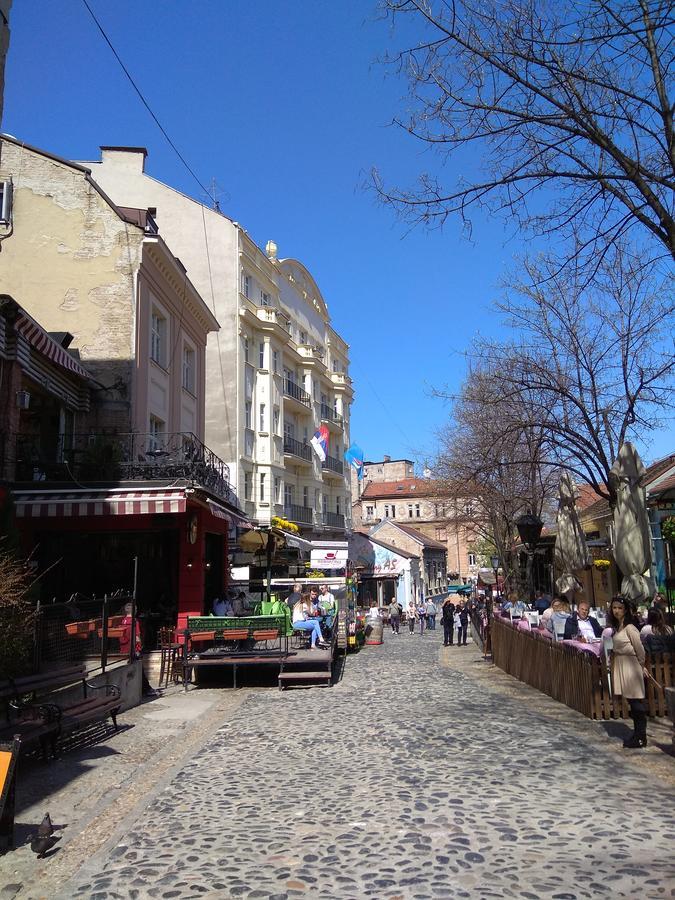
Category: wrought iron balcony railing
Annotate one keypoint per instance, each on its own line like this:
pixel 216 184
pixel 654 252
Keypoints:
pixel 302 514
pixel 334 520
pixel 122 457
pixel 333 464
pixel 304 451
pixel 291 389
pixel 328 414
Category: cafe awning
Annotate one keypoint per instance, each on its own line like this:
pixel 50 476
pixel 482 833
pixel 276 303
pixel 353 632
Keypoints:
pixel 35 504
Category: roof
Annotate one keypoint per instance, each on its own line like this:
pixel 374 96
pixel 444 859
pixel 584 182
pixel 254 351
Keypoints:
pixel 405 487
pixel 387 546
pixel 654 481
pixel 418 536
pixel 586 496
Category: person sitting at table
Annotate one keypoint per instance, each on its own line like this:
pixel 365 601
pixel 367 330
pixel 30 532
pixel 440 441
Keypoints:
pixel 295 595
pixel 514 605
pixel 541 603
pixel 553 608
pixel 327 606
pixel 557 622
pixel 581 626
pixel 239 605
pixel 305 620
pixel 222 606
pixel 657 635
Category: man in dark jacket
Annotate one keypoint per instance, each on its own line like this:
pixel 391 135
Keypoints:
pixel 581 623
pixel 448 615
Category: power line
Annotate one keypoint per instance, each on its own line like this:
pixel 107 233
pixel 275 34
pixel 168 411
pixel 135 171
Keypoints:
pixel 143 100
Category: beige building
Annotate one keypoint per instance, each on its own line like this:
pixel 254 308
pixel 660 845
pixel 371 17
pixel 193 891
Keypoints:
pixel 274 372
pixel 432 554
pixel 390 491
pixel 102 273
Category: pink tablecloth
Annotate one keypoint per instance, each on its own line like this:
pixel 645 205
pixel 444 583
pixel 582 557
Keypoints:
pixel 595 647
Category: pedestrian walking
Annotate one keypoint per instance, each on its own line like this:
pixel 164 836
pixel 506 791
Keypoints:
pixel 394 616
pixel 410 616
pixel 422 615
pixel 463 628
pixel 448 616
pixel 431 615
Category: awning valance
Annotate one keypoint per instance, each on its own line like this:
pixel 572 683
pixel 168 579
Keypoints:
pixel 230 515
pixel 119 502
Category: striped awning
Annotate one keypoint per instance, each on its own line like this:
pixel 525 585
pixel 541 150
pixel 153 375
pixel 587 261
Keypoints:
pixel 120 502
pixel 38 338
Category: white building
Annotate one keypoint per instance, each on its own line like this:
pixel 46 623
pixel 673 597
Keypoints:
pixel 275 371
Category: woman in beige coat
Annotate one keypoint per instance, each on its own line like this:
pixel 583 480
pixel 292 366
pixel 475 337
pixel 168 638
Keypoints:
pixel 628 672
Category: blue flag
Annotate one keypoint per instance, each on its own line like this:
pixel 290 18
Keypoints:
pixel 354 457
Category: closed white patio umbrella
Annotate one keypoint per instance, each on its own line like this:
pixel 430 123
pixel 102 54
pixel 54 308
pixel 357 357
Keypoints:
pixel 571 553
pixel 632 538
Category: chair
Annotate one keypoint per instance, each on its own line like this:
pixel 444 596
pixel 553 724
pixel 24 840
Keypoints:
pixel 170 657
pixel 558 630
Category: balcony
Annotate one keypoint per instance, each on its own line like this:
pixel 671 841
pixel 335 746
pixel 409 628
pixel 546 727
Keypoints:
pixel 295 392
pixel 334 520
pixel 332 466
pixel 122 457
pixel 298 449
pixel 303 515
pixel 329 415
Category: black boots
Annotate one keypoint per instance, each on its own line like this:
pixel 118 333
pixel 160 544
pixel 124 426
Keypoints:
pixel 639 736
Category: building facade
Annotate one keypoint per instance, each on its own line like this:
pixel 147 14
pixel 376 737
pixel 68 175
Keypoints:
pixel 118 471
pixel 389 490
pixel 276 370
pixel 431 553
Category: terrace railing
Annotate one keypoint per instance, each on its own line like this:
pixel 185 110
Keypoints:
pixel 297 448
pixel 122 457
pixel 291 389
pixel 333 464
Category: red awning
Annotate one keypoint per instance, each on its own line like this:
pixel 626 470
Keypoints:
pixel 118 502
pixel 38 337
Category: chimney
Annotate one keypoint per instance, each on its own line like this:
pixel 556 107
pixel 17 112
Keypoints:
pixel 386 459
pixel 130 158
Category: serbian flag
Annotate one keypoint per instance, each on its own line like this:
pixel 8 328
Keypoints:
pixel 354 457
pixel 320 442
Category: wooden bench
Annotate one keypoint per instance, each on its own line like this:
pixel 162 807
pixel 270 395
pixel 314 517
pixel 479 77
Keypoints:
pixel 42 718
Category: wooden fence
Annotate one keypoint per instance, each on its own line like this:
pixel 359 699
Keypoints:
pixel 571 676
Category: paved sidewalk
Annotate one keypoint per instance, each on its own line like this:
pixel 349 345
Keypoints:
pixel 423 774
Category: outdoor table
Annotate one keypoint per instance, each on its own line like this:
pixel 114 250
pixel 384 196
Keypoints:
pixel 595 647
pixel 543 632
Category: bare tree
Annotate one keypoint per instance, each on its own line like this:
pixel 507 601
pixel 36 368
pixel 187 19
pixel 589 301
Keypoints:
pixel 592 366
pixel 567 104
pixel 506 476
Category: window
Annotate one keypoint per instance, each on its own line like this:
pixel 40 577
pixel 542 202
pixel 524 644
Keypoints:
pixel 324 501
pixel 5 202
pixel 277 489
pixel 264 298
pixel 410 510
pixel 288 495
pixel 468 509
pixel 262 417
pixel 336 365
pixel 246 285
pixel 275 420
pixel 245 349
pixel 156 429
pixel 289 430
pixel 261 355
pixel 389 511
pixel 472 559
pixel 188 369
pixel 248 485
pixel 247 414
pixel 417 510
pixel 275 361
pixel 337 505
pixel 157 337
pixel 261 492
pixel 302 337
pixel 370 512
pixel 305 497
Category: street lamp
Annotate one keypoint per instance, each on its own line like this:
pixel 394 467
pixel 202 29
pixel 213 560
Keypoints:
pixel 529 530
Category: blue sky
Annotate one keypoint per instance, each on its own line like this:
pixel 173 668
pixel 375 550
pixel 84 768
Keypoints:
pixel 287 107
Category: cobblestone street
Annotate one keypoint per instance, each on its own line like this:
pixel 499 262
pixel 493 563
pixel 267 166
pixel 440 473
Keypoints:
pixel 411 778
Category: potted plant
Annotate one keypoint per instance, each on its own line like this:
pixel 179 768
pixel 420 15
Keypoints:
pixel 668 529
